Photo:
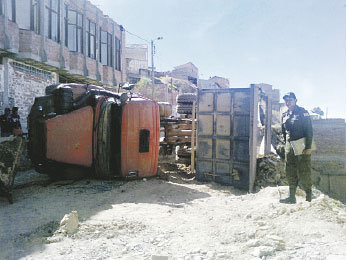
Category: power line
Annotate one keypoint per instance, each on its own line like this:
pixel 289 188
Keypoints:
pixel 137 36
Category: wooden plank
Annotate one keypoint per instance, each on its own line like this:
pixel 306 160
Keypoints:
pixel 183 160
pixel 176 139
pixel 179 126
pixel 179 133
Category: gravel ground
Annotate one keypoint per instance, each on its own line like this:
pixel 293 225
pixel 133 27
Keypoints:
pixel 177 218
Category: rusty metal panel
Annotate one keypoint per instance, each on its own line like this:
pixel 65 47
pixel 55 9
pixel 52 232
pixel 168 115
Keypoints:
pixel 206 102
pixel 223 102
pixel 223 125
pixel 223 149
pixel 223 134
pixel 205 148
pixel 69 137
pixel 241 102
pixel 206 125
pixel 253 135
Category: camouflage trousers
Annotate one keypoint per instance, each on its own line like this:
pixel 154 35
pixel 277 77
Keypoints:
pixel 298 169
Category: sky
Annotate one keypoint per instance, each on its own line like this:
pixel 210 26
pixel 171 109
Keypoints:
pixel 296 45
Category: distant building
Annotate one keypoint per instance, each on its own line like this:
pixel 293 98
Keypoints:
pixel 207 84
pixel 214 83
pixel 220 82
pixel 136 56
pixel 186 71
pixel 44 42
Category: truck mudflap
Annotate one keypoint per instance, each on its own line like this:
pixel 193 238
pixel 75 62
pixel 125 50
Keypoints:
pixel 11 149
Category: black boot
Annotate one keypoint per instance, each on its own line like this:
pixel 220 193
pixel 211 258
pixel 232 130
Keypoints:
pixel 291 199
pixel 308 195
pixel 10 198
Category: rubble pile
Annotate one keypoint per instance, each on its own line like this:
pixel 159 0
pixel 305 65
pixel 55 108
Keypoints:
pixel 184 155
pixel 10 151
pixel 270 171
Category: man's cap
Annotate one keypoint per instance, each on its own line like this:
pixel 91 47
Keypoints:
pixel 289 95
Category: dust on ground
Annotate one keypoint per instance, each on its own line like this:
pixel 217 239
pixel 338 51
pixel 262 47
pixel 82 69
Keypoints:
pixel 174 217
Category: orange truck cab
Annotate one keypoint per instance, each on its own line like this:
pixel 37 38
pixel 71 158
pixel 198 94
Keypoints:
pixel 87 127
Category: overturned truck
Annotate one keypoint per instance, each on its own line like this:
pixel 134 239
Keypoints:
pixel 83 129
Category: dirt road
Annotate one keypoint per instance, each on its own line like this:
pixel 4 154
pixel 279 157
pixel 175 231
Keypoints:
pixel 175 218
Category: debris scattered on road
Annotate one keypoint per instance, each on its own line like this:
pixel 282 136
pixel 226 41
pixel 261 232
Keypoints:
pixel 270 171
pixel 10 152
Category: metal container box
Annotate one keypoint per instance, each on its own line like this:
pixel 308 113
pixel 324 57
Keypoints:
pixel 226 136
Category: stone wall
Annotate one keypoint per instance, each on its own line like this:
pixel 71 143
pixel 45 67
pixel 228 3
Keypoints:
pixel 329 160
pixel 1 87
pixel 23 87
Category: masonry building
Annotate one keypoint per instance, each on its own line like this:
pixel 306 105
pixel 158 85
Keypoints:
pixel 45 42
pixel 136 56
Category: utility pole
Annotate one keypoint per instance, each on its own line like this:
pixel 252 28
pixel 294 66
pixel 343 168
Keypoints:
pixel 152 75
pixel 172 94
pixel 152 54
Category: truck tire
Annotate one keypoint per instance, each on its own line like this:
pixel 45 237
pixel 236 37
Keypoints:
pixel 49 89
pixel 103 169
pixel 185 108
pixel 186 98
pixel 185 111
pixel 63 100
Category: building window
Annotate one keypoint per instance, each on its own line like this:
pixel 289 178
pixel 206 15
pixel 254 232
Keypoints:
pixel 20 12
pixel 35 16
pixel 52 19
pixel 117 54
pixel 23 19
pixel 91 39
pixel 73 30
pixel 105 48
pixel 11 9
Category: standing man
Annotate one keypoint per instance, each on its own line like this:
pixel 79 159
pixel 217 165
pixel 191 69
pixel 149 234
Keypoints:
pixel 296 124
pixel 5 124
pixel 15 122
